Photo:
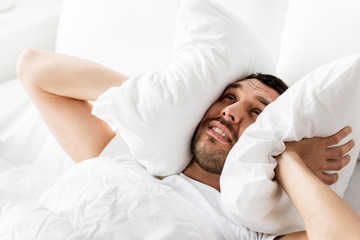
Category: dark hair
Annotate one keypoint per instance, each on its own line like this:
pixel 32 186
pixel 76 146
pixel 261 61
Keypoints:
pixel 275 83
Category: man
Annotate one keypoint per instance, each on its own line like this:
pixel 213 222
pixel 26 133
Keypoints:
pixel 61 86
pixel 224 122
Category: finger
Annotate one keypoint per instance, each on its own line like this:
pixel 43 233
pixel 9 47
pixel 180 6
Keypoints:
pixel 329 179
pixel 339 151
pixel 337 137
pixel 337 164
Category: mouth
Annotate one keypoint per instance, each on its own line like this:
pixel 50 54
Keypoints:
pixel 219 131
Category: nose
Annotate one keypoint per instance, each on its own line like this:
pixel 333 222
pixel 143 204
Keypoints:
pixel 233 112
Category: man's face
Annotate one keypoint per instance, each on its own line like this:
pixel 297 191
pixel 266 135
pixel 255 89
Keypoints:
pixel 225 121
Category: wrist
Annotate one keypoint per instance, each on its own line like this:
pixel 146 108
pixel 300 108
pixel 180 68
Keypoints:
pixel 291 147
pixel 289 159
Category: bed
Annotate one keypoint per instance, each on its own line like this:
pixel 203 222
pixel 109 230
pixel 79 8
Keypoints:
pixel 136 40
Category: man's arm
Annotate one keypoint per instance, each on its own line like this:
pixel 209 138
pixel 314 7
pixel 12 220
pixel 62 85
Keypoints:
pixel 60 87
pixel 326 215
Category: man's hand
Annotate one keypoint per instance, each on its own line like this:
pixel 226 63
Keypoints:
pixel 319 156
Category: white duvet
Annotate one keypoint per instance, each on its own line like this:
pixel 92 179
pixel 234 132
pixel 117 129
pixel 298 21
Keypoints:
pixel 32 221
pixel 106 198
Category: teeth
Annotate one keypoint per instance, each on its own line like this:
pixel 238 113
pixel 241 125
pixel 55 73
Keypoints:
pixel 220 132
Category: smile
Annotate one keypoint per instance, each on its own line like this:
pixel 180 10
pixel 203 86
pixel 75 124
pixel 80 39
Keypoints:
pixel 219 131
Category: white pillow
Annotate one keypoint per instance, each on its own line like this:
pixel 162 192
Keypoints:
pixel 322 103
pixel 157 113
pixel 315 33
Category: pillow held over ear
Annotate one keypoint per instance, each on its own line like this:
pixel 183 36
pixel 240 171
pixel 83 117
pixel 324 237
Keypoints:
pixel 320 104
pixel 157 112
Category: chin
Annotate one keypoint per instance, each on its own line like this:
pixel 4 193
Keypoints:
pixel 209 155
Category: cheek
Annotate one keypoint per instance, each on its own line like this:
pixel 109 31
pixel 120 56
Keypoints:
pixel 213 111
pixel 244 126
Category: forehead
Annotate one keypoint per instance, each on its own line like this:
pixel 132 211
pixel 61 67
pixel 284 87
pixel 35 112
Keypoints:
pixel 256 88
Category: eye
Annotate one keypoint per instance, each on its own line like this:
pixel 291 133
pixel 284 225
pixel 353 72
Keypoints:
pixel 256 111
pixel 229 97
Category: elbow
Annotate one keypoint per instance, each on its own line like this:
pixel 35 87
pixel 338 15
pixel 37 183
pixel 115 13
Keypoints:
pixel 26 65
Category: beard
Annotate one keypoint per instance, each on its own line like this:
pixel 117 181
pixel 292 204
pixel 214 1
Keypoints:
pixel 206 151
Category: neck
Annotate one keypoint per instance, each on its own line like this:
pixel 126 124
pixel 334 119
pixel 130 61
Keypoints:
pixel 194 171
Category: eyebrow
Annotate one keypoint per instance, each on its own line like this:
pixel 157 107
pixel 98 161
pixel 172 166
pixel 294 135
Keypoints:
pixel 234 85
pixel 237 85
